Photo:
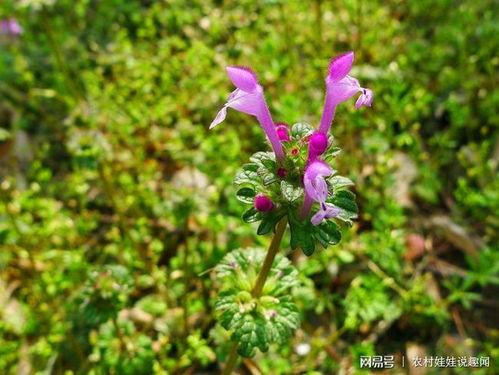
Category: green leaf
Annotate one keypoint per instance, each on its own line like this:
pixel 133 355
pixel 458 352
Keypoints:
pixel 255 323
pixel 246 195
pixel 291 192
pixel 331 153
pixel 268 223
pixel 261 157
pixel 270 165
pixel 250 332
pixel 308 245
pixel 301 236
pixel 252 215
pixel 268 178
pixel 250 167
pixel 246 176
pixel 346 200
pixel 300 130
pixel 339 182
pixel 286 320
pixel 328 232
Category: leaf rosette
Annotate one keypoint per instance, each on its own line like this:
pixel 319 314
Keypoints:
pixel 256 322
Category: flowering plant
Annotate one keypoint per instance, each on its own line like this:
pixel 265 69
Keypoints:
pixel 294 184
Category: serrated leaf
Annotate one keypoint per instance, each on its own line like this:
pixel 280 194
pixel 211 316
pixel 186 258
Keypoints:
pixel 250 333
pixel 271 318
pixel 268 222
pixel 322 237
pixel 291 192
pixel 250 167
pixel 268 178
pixel 331 153
pixel 246 195
pixel 339 182
pixel 271 165
pixel 329 232
pixel 261 157
pixel 246 176
pixel 302 236
pixel 284 322
pixel 300 130
pixel 224 302
pixel 252 215
pixel 308 246
pixel 346 200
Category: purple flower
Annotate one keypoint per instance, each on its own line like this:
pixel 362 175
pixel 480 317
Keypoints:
pixel 316 190
pixel 248 98
pixel 263 203
pixel 340 87
pixel 10 27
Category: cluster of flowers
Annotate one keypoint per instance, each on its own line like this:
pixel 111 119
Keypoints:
pixel 248 97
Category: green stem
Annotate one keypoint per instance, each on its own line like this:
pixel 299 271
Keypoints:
pixel 259 284
pixel 269 258
pixel 231 362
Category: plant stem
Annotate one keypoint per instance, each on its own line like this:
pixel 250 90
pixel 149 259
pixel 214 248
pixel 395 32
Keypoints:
pixel 269 258
pixel 231 362
pixel 259 284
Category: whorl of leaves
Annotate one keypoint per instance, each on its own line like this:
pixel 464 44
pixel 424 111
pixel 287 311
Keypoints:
pixel 256 322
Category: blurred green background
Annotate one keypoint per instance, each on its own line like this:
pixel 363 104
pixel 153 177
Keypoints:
pixel 116 202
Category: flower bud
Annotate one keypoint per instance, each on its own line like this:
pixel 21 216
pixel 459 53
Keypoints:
pixel 263 203
pixel 282 133
pixel 318 143
pixel 281 172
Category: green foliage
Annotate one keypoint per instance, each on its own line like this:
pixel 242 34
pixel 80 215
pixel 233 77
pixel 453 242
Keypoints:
pixel 256 322
pixel 130 354
pixel 381 305
pixel 103 295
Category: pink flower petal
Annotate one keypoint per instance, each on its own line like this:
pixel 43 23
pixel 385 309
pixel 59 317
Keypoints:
pixel 247 102
pixel 366 98
pixel 313 181
pixel 317 218
pixel 242 78
pixel 220 117
pixel 340 66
